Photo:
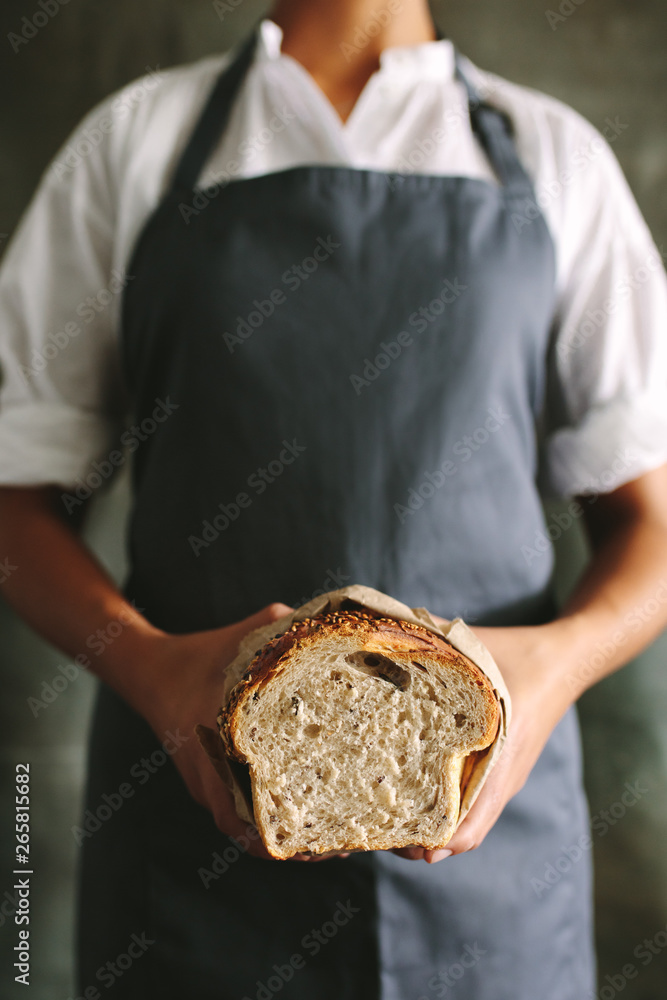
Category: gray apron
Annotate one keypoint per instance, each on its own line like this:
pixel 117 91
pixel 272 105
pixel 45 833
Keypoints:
pixel 357 361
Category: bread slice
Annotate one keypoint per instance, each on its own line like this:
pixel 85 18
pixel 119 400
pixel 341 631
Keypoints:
pixel 356 730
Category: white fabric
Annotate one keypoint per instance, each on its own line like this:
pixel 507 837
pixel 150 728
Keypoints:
pixel 62 400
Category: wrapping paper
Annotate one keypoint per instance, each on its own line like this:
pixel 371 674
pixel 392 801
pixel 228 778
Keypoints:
pixel 456 633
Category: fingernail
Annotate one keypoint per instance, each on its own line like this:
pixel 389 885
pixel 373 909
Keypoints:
pixel 440 855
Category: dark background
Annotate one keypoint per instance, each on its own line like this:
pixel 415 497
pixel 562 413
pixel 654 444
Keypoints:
pixel 607 59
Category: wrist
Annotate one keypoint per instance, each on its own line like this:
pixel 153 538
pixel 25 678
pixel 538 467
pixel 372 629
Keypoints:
pixel 135 662
pixel 536 661
pixel 565 647
pixel 164 676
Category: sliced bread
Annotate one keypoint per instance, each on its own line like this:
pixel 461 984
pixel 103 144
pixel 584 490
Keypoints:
pixel 356 729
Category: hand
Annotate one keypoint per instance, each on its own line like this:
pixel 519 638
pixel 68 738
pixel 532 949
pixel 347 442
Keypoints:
pixel 189 674
pixel 532 662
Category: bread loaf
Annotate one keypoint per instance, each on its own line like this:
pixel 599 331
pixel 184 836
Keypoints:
pixel 356 728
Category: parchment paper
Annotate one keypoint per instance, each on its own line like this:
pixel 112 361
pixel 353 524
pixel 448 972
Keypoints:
pixel 456 632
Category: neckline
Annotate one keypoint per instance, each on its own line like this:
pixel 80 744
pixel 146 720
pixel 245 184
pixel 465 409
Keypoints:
pixel 492 126
pixel 342 128
pixel 435 59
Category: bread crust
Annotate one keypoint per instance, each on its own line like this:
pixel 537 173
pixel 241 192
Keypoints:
pixel 375 633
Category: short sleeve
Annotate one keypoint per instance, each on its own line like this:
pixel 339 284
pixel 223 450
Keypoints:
pixel 61 394
pixel 606 418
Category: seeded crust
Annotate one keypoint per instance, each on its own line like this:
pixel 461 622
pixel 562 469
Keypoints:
pixel 405 702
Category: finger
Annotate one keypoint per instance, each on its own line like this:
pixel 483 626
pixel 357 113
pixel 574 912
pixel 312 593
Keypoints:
pixel 432 857
pixel 482 816
pixel 270 613
pixel 266 616
pixel 239 835
pixel 409 853
pixel 220 802
pixel 248 839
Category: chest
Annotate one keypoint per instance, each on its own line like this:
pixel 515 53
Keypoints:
pixel 325 274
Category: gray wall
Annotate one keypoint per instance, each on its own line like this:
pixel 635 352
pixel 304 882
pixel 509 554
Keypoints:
pixel 607 59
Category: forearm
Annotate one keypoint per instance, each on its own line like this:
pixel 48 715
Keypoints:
pixel 174 681
pixel 58 587
pixel 620 604
pixel 618 607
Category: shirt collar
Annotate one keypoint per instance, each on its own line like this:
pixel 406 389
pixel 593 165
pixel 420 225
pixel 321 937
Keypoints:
pixel 428 59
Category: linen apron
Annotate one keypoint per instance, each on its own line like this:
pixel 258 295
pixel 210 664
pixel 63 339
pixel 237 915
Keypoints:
pixel 357 363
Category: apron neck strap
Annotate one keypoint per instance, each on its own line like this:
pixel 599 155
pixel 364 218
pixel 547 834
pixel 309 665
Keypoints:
pixel 214 117
pixel 492 126
pixel 494 130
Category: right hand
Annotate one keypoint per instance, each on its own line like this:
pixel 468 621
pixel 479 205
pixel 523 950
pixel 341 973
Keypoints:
pixel 189 673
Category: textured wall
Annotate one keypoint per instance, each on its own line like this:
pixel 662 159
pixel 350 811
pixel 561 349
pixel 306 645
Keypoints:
pixel 606 58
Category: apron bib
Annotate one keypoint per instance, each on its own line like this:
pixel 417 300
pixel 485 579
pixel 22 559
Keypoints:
pixel 352 364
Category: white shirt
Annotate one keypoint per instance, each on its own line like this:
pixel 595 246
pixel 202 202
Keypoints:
pixel 63 402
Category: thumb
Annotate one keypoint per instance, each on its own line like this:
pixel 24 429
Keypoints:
pixel 267 615
pixel 270 613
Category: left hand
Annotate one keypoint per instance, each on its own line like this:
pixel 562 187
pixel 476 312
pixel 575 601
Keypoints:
pixel 532 662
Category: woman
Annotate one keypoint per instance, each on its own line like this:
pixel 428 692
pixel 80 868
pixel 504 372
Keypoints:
pixel 347 333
